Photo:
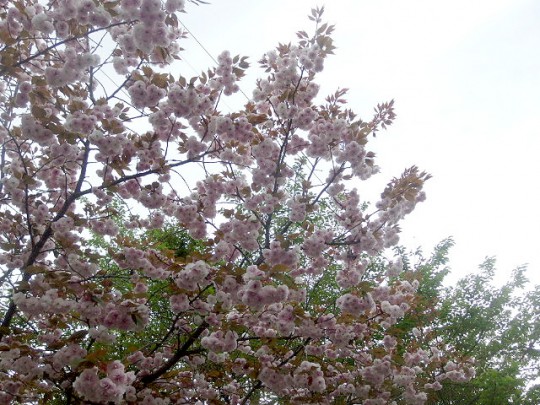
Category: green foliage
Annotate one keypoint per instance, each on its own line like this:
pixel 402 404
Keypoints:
pixel 175 239
pixel 430 272
pixel 498 327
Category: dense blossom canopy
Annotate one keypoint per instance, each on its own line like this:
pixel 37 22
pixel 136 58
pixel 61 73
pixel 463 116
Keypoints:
pixel 277 301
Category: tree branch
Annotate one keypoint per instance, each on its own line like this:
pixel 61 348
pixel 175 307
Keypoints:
pixel 181 352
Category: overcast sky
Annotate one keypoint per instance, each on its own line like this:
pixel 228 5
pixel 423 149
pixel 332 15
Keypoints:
pixel 465 76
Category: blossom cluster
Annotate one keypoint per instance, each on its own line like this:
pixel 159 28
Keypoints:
pixel 220 341
pixel 72 70
pixel 111 388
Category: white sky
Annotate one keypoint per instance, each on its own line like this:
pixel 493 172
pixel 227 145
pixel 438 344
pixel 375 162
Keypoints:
pixel 466 79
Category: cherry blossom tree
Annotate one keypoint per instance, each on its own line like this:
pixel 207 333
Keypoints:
pixel 90 115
